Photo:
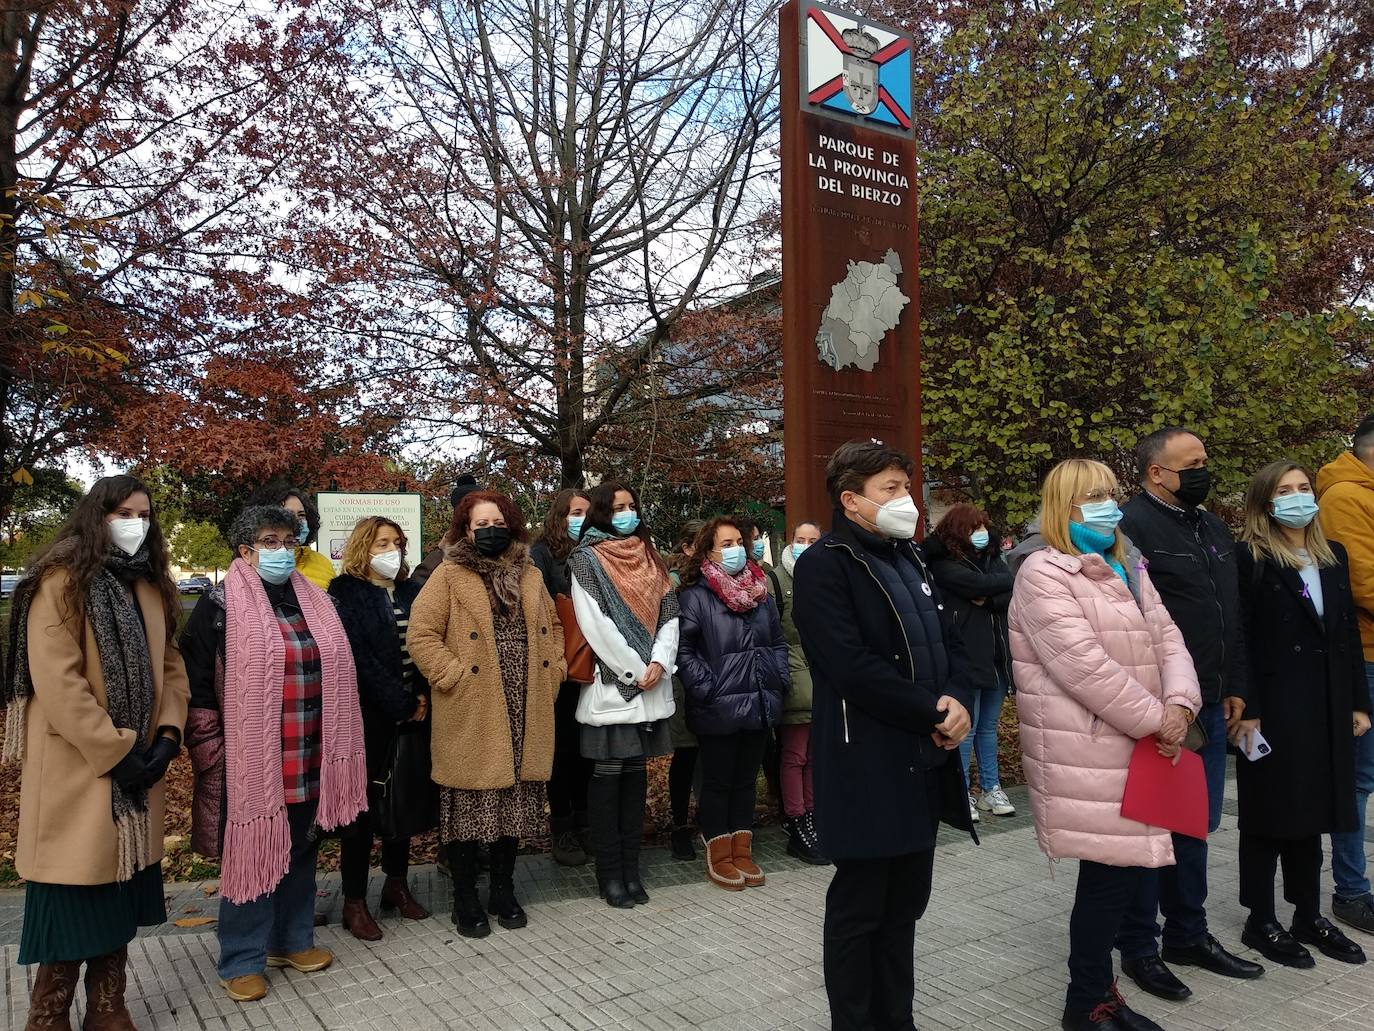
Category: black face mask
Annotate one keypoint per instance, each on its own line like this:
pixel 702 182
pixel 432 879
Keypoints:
pixel 1193 485
pixel 491 540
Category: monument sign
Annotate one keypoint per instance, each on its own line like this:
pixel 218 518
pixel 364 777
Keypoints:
pixel 851 322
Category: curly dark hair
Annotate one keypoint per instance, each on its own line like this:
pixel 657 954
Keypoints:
pixel 555 530
pixel 83 543
pixel 706 538
pixel 275 494
pixel 243 531
pixel 957 524
pixel 462 515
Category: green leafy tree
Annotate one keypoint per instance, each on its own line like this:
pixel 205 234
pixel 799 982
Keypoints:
pixel 40 502
pixel 199 545
pixel 1116 224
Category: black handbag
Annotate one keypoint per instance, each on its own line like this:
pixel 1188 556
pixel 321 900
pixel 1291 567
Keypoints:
pixel 406 800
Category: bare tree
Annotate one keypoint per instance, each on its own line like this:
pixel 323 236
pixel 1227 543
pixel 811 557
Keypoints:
pixel 536 193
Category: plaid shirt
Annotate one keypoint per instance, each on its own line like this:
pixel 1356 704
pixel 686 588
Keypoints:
pixel 301 696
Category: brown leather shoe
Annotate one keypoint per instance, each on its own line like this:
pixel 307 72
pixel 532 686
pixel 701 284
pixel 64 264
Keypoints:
pixel 358 921
pixel 50 1002
pixel 720 864
pixel 742 846
pixel 396 895
pixel 106 980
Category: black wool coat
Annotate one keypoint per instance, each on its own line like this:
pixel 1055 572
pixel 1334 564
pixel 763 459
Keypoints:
pixel 961 579
pixel 366 613
pixel 1307 678
pixel 873 704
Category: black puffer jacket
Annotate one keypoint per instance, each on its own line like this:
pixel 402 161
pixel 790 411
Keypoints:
pixel 962 578
pixel 733 665
pixel 1192 563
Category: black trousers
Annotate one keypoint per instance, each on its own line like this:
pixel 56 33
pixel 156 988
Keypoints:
pixel 1099 905
pixel 869 939
pixel 1302 872
pixel 355 856
pixel 681 772
pixel 871 911
pixel 729 779
pixel 571 772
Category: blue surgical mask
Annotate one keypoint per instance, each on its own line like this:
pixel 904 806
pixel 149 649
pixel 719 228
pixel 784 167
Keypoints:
pixel 732 558
pixel 625 523
pixel 1294 510
pixel 979 539
pixel 575 526
pixel 303 532
pixel 797 549
pixel 1101 516
pixel 756 551
pixel 275 566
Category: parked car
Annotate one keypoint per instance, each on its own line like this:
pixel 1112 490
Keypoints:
pixel 8 581
pixel 195 585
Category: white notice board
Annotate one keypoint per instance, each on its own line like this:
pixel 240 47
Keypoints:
pixel 340 512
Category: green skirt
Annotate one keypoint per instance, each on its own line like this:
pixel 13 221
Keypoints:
pixel 67 922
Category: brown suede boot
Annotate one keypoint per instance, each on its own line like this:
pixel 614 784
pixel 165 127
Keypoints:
pixel 106 979
pixel 357 920
pixel 720 864
pixel 742 849
pixel 396 895
pixel 50 1002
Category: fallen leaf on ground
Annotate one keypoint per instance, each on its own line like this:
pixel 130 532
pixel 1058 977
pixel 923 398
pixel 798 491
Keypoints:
pixel 194 921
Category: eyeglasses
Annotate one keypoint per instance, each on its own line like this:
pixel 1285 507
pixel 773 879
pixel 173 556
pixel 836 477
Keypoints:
pixel 1100 494
pixel 273 543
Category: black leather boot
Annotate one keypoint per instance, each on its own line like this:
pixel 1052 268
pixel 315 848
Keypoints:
pixel 467 909
pixel 603 816
pixel 633 786
pixel 501 897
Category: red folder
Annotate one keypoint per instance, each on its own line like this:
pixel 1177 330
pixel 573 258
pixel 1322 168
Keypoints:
pixel 1164 795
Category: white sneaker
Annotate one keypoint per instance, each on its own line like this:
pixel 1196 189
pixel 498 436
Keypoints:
pixel 973 808
pixel 996 802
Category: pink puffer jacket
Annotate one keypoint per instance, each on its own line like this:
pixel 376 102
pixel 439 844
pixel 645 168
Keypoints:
pixel 1094 671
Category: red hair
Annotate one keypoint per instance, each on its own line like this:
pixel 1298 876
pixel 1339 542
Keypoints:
pixel 510 511
pixel 958 524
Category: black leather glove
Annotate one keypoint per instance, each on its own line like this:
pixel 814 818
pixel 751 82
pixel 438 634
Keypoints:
pixel 158 758
pixel 131 772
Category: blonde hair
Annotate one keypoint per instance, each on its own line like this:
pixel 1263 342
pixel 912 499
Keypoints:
pixel 357 552
pixel 1065 482
pixel 1262 531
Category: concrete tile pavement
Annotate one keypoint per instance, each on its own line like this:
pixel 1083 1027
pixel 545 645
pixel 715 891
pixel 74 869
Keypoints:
pixel 990 955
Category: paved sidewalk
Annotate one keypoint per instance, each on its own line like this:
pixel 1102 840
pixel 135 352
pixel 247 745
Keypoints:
pixel 990 955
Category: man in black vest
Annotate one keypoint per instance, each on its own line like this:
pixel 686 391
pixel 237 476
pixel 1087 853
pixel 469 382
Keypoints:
pixel 890 706
pixel 1189 554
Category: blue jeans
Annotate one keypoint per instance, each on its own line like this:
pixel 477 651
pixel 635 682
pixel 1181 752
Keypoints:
pixel 283 920
pixel 982 737
pixel 1347 848
pixel 1180 891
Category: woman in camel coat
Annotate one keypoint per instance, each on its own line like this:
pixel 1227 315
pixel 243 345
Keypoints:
pixel 483 632
pixel 95 698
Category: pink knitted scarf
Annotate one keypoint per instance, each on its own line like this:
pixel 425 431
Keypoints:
pixel 257 837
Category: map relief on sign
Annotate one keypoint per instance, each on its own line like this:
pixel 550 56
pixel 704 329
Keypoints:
pixel 863 307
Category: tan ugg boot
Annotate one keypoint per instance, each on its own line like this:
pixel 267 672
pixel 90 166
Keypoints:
pixel 742 850
pixel 50 1002
pixel 720 864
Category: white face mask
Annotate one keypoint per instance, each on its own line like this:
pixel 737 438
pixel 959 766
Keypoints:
pixel 387 564
pixel 128 534
pixel 897 519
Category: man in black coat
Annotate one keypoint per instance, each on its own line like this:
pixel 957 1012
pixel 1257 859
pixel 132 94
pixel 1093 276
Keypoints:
pixel 1192 563
pixel 891 700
